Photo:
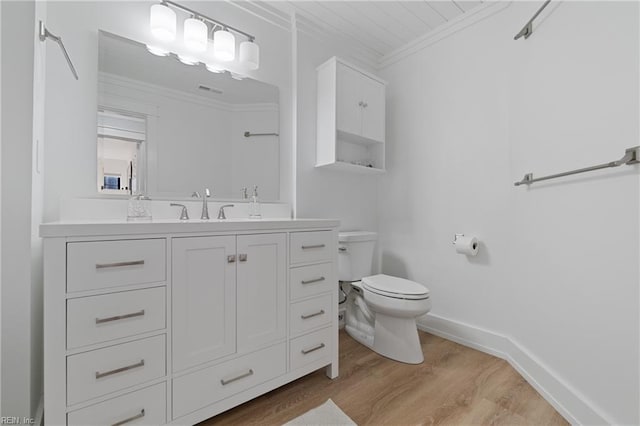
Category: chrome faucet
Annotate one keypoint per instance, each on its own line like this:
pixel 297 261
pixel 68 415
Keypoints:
pixel 205 205
pixel 184 215
pixel 221 215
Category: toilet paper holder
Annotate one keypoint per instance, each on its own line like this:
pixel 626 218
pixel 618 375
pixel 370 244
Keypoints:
pixel 455 238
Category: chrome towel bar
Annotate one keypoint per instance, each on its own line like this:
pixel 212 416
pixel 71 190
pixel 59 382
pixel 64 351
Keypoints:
pixel 631 156
pixel 250 135
pixel 44 33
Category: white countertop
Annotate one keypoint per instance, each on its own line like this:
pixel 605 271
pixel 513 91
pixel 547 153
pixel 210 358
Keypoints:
pixel 174 226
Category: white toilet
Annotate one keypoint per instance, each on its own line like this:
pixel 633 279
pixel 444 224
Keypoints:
pixel 381 310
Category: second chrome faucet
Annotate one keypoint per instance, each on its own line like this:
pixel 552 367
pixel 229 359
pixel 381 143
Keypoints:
pixel 205 207
pixel 205 204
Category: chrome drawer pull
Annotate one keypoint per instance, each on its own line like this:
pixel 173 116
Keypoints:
pixel 315 280
pixel 120 317
pixel 321 312
pixel 313 246
pixel 120 370
pixel 242 376
pixel 119 264
pixel 130 419
pixel 308 351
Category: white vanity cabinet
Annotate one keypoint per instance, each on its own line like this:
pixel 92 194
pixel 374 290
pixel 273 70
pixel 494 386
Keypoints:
pixel 173 323
pixel 350 118
pixel 203 299
pixel 261 290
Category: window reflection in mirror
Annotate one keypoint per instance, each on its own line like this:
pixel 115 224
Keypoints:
pixel 121 146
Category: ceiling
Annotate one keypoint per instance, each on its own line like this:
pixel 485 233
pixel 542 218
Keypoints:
pixel 374 28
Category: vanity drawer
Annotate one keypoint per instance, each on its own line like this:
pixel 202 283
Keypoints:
pixel 310 314
pixel 310 280
pixel 95 373
pixel 314 246
pixel 144 407
pixel 102 264
pixel 201 388
pixel 107 317
pixel 311 347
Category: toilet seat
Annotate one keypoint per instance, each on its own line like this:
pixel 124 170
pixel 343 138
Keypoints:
pixel 394 287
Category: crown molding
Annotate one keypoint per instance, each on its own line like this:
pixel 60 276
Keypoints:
pixel 459 23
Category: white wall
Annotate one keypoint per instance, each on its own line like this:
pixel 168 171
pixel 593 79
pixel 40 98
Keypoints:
pixel 351 198
pixel 558 267
pixel 71 105
pixel 22 107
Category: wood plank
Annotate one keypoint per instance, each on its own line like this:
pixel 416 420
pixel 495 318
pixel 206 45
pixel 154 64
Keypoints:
pixel 447 9
pixel 455 385
pixel 422 10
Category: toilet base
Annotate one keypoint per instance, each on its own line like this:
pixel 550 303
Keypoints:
pixel 391 336
pixel 360 336
pixel 397 338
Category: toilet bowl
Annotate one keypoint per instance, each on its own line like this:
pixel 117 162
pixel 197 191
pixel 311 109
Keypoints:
pixel 381 310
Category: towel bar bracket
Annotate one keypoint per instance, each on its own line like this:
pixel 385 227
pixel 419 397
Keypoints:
pixel 44 34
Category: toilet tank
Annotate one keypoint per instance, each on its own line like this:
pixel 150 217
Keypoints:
pixel 355 254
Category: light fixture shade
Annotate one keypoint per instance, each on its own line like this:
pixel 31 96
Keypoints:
pixel 158 51
pixel 224 46
pixel 250 55
pixel 187 59
pixel 214 68
pixel 162 22
pixel 195 35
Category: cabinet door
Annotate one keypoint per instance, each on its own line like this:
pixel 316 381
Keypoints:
pixel 204 299
pixel 349 99
pixel 262 296
pixel 373 111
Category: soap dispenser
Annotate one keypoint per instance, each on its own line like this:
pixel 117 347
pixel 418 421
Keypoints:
pixel 254 205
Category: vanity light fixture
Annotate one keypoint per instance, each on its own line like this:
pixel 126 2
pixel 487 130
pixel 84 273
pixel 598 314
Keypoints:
pixel 250 54
pixel 224 46
pixel 197 28
pixel 214 68
pixel 162 22
pixel 195 35
pixel 188 60
pixel 158 51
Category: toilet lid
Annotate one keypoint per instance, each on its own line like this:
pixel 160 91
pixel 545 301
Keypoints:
pixel 387 285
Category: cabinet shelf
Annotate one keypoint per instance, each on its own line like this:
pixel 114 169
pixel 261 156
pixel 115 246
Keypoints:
pixel 348 167
pixel 357 139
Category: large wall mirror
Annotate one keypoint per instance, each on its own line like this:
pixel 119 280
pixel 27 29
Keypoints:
pixel 167 129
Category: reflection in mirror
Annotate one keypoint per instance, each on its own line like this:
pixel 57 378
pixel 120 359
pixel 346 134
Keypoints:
pixel 167 129
pixel 120 150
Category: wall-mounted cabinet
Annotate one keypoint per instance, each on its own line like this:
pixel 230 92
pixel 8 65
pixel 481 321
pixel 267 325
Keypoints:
pixel 350 118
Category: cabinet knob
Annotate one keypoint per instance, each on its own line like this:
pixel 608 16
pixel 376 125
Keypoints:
pixel 231 258
pixel 242 257
pixel 360 103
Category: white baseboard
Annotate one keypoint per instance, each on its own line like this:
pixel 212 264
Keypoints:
pixel 563 397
